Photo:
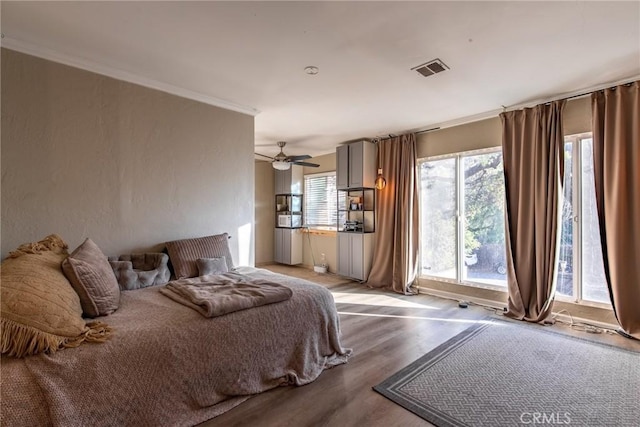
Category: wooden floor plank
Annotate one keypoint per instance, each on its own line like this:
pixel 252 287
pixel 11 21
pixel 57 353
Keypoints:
pixel 386 332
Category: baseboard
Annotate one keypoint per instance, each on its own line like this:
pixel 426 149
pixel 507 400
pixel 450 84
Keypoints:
pixel 305 266
pixel 459 297
pixel 263 264
pixel 565 318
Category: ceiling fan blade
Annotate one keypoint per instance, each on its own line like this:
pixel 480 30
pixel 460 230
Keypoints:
pixel 312 165
pixel 268 157
pixel 296 158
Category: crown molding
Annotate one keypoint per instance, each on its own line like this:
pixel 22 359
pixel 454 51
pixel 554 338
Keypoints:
pixel 96 67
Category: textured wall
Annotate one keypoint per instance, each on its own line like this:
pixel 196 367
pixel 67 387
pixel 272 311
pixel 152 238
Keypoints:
pixel 471 136
pixel 85 155
pixel 265 212
pixel 488 133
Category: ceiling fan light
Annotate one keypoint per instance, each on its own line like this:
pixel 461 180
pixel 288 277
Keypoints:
pixel 281 165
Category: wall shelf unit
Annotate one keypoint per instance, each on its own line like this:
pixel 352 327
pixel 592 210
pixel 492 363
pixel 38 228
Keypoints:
pixel 288 216
pixel 355 177
pixel 288 210
pixel 356 210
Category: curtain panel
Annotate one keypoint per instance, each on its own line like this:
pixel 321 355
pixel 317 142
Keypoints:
pixel 532 144
pixel 395 258
pixel 616 157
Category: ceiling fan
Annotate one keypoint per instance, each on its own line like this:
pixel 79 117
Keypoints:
pixel 283 162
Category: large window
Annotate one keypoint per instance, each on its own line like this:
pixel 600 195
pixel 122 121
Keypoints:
pixel 320 200
pixel 462 217
pixel 581 272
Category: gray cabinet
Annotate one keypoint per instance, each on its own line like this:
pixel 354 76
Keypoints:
pixel 355 254
pixel 289 181
pixel 342 166
pixel 355 179
pixel 288 218
pixel 288 246
pixel 356 165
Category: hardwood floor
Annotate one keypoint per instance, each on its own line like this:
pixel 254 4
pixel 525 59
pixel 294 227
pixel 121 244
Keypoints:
pixel 386 332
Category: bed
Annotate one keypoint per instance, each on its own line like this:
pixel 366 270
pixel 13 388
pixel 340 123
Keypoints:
pixel 168 365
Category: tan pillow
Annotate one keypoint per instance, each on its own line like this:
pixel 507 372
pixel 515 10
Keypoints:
pixel 91 275
pixel 40 311
pixel 185 253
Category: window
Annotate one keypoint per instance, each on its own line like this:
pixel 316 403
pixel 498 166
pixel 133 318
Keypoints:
pixel 462 217
pixel 439 218
pixel 580 275
pixel 320 199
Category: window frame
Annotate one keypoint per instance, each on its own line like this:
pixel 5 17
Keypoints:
pixel 577 227
pixel 458 156
pixel 319 227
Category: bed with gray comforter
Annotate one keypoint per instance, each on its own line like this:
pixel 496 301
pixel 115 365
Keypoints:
pixel 169 365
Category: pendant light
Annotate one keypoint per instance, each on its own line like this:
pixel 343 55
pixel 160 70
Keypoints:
pixel 380 182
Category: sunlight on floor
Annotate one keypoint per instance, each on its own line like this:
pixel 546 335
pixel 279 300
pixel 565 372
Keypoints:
pixel 440 319
pixel 378 300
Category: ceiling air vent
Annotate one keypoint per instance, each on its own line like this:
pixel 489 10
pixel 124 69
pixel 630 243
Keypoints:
pixel 432 67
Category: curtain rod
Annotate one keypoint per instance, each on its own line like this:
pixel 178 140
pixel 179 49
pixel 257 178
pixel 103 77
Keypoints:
pixel 624 82
pixel 580 95
pixel 494 113
pixel 392 135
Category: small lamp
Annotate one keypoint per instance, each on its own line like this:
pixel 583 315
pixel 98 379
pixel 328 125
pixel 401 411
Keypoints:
pixel 380 181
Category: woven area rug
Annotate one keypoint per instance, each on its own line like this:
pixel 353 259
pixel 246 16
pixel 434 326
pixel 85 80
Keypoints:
pixel 501 373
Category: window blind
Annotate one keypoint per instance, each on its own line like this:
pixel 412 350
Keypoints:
pixel 320 200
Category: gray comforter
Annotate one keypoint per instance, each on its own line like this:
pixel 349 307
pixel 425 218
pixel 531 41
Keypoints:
pixel 168 365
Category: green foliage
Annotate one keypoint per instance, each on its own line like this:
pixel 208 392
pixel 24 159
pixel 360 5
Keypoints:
pixel 483 200
pixel 483 208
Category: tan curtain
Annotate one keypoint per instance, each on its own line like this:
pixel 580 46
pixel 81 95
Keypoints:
pixel 395 259
pixel 616 157
pixel 532 144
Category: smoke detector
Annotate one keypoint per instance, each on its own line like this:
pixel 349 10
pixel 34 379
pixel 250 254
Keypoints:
pixel 430 68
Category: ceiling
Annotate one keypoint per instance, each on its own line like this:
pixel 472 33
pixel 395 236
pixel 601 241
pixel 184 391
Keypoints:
pixel 250 57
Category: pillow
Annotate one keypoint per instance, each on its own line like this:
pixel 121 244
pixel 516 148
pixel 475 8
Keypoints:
pixel 40 311
pixel 90 274
pixel 137 271
pixel 208 266
pixel 184 253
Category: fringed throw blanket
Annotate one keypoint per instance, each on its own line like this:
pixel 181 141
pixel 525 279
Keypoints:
pixel 39 309
pixel 220 294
